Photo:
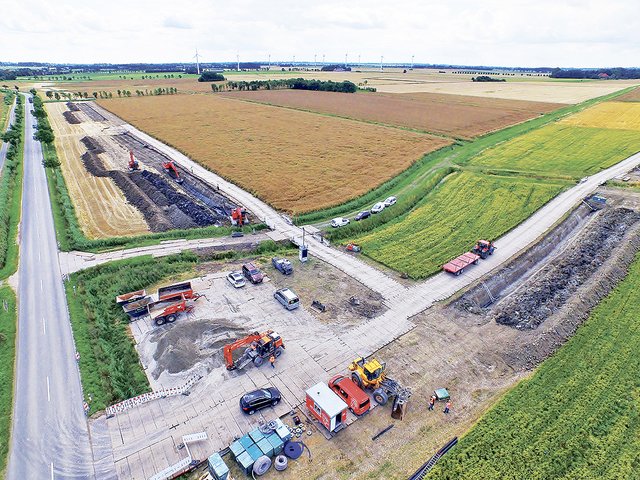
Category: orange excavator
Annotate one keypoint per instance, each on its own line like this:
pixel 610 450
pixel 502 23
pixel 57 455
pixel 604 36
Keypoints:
pixel 133 162
pixel 172 171
pixel 259 346
pixel 239 217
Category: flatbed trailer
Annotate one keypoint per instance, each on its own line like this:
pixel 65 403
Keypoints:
pixel 458 264
pixel 177 290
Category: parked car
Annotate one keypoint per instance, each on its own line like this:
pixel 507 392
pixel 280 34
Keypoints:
pixel 390 201
pixel 287 298
pixel 362 215
pixel 378 207
pixel 282 265
pixel 339 222
pixel 357 400
pixel 252 273
pixel 256 400
pixel 236 279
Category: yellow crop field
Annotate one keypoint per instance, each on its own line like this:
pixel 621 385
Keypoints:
pixel 617 115
pixel 562 150
pixel 297 161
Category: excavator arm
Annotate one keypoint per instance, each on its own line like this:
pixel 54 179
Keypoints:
pixel 240 343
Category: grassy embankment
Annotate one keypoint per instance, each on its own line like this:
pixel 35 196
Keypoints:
pixel 578 417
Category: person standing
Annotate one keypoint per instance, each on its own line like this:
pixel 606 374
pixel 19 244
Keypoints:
pixel 272 360
pixel 432 402
pixel 447 407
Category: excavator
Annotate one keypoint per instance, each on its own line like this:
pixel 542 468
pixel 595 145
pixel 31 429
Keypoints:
pixel 172 171
pixel 239 217
pixel 133 162
pixel 259 346
pixel 372 374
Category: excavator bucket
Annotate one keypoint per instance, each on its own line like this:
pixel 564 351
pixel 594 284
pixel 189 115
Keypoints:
pixel 399 409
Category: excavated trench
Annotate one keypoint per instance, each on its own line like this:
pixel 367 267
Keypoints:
pixel 70 118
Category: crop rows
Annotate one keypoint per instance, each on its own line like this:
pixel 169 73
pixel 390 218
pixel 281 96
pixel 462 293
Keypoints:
pixel 449 220
pixel 578 417
pixel 609 115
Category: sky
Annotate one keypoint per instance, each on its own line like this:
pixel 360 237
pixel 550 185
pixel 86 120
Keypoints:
pixel 527 33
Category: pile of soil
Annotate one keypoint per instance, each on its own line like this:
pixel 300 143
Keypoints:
pixel 92 113
pixel 183 346
pixel 70 118
pixel 553 286
pixel 73 107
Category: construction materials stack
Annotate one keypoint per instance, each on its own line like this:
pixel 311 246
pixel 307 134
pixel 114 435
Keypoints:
pixel 267 441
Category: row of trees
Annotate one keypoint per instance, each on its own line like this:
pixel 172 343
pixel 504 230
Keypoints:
pixel 211 77
pixel 597 73
pixel 104 94
pixel 487 78
pixel 293 83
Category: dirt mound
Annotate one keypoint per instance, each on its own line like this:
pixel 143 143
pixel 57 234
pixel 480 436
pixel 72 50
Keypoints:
pixel 552 287
pixel 73 107
pixel 70 118
pixel 184 346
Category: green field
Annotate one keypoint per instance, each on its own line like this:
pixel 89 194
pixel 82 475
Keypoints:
pixel 449 220
pixel 577 418
pixel 562 151
pixel 7 358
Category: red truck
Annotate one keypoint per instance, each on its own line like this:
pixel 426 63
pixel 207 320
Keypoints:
pixel 458 264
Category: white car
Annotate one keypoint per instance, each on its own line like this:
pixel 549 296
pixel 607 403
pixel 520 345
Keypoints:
pixel 236 279
pixel 390 201
pixel 378 207
pixel 339 222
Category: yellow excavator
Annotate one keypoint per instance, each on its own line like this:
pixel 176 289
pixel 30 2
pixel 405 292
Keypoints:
pixel 372 375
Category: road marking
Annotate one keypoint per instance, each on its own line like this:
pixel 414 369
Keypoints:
pixel 39 255
pixel 41 285
pixel 44 327
pixel 51 470
pixel 48 395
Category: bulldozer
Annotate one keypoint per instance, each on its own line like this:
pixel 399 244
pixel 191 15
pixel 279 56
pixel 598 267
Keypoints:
pixel 372 375
pixel 260 346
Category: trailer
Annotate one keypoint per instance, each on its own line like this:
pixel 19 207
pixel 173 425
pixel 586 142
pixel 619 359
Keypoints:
pixel 458 264
pixel 130 297
pixel 167 311
pixel 177 290
pixel 138 308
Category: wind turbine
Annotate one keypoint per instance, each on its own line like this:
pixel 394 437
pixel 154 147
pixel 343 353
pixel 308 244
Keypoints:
pixel 323 59
pixel 238 60
pixel 381 58
pixel 346 55
pixel 315 60
pixel 412 57
pixel 269 61
pixel 197 57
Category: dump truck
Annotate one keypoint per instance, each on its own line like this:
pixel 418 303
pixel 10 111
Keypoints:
pixel 371 374
pixel 168 311
pixel 259 346
pixel 484 248
pixel 458 264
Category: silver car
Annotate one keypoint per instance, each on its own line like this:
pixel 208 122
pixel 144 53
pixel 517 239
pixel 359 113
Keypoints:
pixel 236 279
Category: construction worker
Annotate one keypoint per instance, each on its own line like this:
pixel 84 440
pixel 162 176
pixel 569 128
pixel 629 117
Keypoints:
pixel 432 402
pixel 447 407
pixel 272 360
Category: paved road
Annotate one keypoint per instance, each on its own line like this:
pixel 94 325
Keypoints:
pixel 50 437
pixel 4 146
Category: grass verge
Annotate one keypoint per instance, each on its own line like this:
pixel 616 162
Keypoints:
pixel 7 362
pixel 577 417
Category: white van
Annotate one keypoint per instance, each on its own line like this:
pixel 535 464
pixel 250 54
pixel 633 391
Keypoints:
pixel 378 207
pixel 287 298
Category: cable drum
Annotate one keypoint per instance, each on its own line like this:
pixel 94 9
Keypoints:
pixel 262 465
pixel 281 463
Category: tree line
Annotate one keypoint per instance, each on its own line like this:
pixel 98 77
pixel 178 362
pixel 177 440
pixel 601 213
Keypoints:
pixel 292 83
pixel 596 73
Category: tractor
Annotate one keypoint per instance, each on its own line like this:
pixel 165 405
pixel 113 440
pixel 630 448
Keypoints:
pixel 372 375
pixel 484 248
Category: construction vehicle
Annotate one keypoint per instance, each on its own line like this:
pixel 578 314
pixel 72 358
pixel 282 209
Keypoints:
pixel 171 169
pixel 353 247
pixel 372 375
pixel 133 162
pixel 259 346
pixel 239 217
pixel 484 248
pixel 458 264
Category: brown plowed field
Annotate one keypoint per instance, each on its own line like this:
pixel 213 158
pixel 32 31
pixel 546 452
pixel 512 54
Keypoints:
pixel 632 96
pixel 100 206
pixel 297 161
pixel 456 115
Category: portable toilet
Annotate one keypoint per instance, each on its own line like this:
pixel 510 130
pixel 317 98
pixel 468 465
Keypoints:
pixel 327 407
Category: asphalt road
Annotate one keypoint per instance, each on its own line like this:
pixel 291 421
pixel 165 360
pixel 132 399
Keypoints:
pixel 50 437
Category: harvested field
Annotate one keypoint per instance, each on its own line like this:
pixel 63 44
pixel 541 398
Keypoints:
pixel 561 150
pixel 454 115
pixel 544 91
pixel 632 96
pixel 450 219
pixel 609 115
pixel 101 207
pixel 294 160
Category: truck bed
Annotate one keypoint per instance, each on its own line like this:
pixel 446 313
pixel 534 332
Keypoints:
pixel 176 290
pixel 130 297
